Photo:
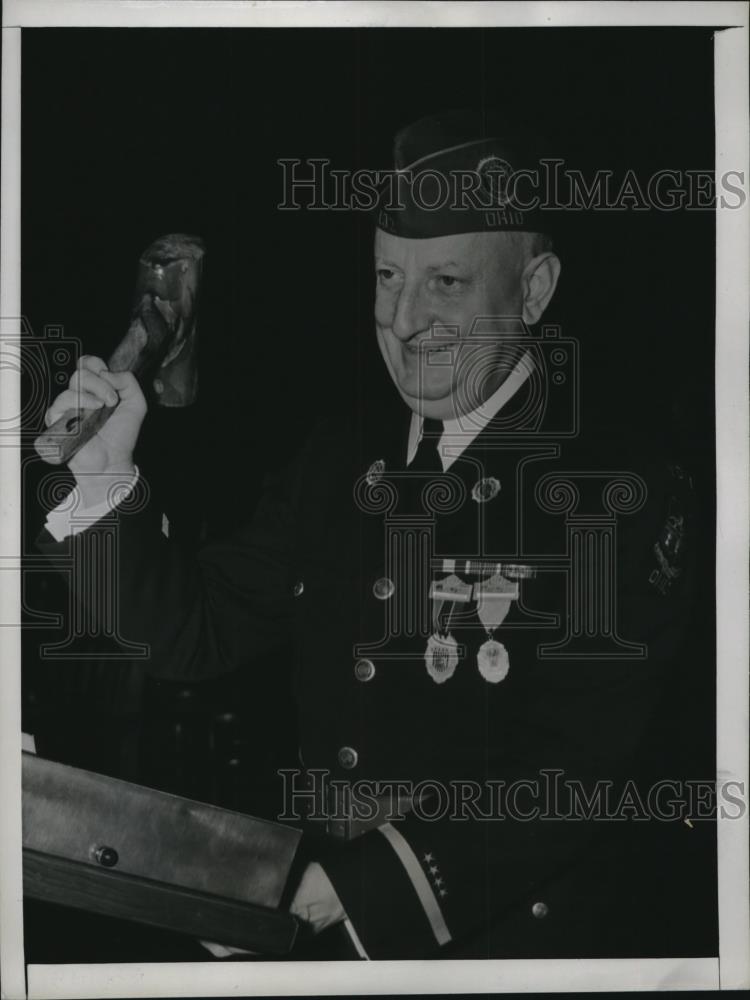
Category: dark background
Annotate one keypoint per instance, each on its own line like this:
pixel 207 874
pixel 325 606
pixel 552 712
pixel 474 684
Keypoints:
pixel 130 133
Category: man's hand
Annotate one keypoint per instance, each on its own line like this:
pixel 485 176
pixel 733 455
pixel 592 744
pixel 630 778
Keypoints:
pixel 110 452
pixel 316 901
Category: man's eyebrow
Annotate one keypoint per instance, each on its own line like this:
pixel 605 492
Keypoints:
pixel 443 264
pixel 385 260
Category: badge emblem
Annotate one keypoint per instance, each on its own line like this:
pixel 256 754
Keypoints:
pixel 441 657
pixel 375 472
pixel 493 661
pixel 485 489
pixel 493 176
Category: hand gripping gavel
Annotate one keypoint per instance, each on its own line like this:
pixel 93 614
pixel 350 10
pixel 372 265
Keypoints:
pixel 160 342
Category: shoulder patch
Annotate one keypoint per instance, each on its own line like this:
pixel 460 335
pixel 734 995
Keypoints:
pixel 672 545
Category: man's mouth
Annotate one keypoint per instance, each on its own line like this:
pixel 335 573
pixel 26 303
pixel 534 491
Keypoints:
pixel 429 347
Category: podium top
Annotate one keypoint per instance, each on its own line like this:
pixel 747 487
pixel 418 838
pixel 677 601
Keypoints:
pixel 87 817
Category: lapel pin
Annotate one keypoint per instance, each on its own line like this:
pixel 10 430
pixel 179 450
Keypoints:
pixel 485 489
pixel 375 472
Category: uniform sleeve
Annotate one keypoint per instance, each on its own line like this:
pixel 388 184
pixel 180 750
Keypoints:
pixel 194 614
pixel 565 760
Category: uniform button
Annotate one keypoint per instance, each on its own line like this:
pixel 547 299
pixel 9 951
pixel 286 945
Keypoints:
pixel 383 588
pixel 364 670
pixel 299 588
pixel 540 910
pixel 348 757
pixel 338 828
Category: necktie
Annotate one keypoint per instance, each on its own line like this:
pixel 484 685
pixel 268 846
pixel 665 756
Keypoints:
pixel 423 468
pixel 427 457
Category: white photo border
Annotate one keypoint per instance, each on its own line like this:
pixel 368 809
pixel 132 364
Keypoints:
pixel 731 970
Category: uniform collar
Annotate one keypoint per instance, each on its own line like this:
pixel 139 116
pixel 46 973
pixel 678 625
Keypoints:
pixel 459 434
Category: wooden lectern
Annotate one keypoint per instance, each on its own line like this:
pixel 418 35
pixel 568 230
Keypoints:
pixel 119 849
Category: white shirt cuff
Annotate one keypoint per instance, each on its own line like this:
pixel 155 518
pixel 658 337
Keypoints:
pixel 70 518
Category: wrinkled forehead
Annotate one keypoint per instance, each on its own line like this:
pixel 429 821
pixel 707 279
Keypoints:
pixel 474 251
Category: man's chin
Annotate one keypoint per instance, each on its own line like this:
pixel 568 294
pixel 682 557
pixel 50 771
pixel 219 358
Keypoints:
pixel 428 401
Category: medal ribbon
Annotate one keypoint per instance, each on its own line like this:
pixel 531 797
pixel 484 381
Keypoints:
pixel 494 597
pixel 491 610
pixel 441 616
pixel 445 594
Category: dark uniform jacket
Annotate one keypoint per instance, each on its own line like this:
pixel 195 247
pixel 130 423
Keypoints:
pixel 598 543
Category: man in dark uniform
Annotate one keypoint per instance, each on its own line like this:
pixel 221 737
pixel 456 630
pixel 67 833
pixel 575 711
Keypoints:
pixel 482 613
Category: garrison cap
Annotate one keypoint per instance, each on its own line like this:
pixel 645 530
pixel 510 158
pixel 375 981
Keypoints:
pixel 461 172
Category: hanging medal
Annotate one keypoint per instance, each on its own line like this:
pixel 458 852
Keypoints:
pixel 494 597
pixel 441 654
pixel 441 657
pixel 493 661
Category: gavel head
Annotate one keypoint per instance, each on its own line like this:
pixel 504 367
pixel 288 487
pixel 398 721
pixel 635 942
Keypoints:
pixel 162 339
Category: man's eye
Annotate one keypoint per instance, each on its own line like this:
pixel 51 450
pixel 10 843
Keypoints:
pixel 448 281
pixel 385 273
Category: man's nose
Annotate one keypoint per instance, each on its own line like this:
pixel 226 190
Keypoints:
pixel 413 314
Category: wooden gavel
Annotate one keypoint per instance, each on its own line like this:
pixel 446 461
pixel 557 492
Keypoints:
pixel 161 340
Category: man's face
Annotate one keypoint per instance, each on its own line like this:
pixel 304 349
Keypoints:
pixel 429 293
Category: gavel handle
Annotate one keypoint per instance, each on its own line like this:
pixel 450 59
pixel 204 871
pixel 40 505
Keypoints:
pixel 70 432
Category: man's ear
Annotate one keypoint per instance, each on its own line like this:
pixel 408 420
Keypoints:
pixel 538 284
